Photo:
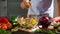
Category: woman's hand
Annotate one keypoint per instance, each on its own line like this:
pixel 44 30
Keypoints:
pixel 25 4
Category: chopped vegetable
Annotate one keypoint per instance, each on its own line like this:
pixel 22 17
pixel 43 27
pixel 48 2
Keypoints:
pixel 14 21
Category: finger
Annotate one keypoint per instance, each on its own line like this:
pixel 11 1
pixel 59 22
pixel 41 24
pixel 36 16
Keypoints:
pixel 25 0
pixel 23 5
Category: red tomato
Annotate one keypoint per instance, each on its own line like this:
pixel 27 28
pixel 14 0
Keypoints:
pixel 0 25
pixel 4 26
pixel 0 20
pixel 4 20
pixel 9 25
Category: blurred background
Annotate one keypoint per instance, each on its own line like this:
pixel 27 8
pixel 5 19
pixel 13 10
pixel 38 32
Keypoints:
pixel 12 8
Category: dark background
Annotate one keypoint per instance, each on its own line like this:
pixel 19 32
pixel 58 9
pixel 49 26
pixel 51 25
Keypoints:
pixel 11 8
pixel 14 8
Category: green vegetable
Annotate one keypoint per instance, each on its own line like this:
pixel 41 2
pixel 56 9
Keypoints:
pixel 37 31
pixel 14 21
pixel 15 29
pixel 4 31
pixel 48 31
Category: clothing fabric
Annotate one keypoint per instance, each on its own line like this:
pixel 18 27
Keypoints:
pixel 41 7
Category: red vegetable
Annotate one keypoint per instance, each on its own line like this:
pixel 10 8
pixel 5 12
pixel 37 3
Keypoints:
pixel 4 20
pixel 0 26
pixel 5 24
pixel 44 21
pixel 9 25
